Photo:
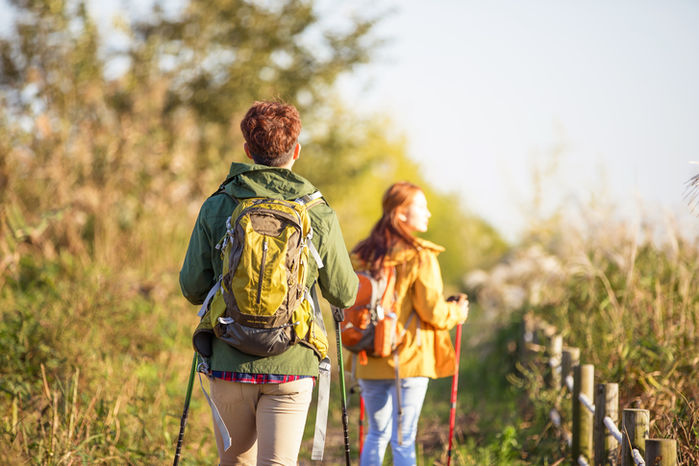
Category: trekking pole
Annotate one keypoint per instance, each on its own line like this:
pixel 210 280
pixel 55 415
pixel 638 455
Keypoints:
pixel 183 421
pixel 356 389
pixel 454 387
pixel 338 316
pixel 361 423
pixel 399 402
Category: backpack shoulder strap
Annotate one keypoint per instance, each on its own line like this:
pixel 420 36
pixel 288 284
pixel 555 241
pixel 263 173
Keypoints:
pixel 222 190
pixel 323 388
pixel 311 200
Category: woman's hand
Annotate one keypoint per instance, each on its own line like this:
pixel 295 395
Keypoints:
pixel 462 300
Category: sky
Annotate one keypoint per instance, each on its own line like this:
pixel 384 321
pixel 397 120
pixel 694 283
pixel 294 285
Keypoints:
pixel 604 95
pixel 489 92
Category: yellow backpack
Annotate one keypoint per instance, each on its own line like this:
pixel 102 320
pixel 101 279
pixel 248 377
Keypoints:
pixel 260 305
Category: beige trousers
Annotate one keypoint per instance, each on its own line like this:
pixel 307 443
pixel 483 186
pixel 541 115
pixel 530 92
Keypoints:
pixel 265 421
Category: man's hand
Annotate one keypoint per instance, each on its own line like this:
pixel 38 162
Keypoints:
pixel 462 300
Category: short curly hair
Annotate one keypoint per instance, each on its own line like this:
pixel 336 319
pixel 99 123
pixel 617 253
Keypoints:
pixel 271 130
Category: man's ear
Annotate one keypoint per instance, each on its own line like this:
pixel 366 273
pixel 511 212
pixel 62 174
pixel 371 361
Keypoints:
pixel 247 150
pixel 297 151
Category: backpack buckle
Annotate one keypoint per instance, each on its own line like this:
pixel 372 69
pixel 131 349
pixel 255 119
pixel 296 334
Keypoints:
pixel 203 367
pixel 324 365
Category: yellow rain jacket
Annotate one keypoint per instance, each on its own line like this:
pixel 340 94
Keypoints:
pixel 427 352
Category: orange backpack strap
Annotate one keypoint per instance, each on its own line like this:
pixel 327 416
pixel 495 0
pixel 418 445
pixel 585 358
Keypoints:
pixel 362 358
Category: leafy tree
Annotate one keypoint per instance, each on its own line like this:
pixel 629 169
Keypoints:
pixel 354 160
pixel 470 242
pixel 101 178
pixel 223 55
pixel 227 53
pixel 162 131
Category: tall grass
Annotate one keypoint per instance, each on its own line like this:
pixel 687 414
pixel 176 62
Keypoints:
pixel 86 366
pixel 94 340
pixel 629 298
pixel 94 330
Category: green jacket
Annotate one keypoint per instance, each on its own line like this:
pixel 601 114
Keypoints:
pixel 202 264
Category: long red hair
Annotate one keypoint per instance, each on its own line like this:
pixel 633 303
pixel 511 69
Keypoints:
pixel 389 230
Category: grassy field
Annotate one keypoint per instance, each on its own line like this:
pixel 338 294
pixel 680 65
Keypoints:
pixel 100 183
pixel 86 379
pixel 628 297
pixel 95 345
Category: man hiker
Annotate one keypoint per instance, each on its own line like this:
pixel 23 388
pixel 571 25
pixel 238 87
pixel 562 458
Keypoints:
pixel 263 398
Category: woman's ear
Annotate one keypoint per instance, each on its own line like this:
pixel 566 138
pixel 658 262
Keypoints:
pixel 402 217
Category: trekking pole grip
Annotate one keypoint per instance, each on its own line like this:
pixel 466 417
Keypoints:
pixel 338 314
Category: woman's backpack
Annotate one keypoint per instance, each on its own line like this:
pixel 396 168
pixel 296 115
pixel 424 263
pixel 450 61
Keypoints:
pixel 370 326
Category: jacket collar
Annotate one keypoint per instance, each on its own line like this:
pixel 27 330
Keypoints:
pixel 253 180
pixel 403 253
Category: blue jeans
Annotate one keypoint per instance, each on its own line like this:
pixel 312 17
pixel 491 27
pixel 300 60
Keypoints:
pixel 382 412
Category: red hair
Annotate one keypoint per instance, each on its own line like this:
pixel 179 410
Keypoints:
pixel 389 230
pixel 271 130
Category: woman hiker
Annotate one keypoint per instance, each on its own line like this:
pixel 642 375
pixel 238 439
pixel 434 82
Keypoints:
pixel 424 318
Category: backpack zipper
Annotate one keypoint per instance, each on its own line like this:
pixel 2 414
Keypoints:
pixel 262 269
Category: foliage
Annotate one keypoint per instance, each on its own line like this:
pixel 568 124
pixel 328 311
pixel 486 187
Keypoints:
pixel 370 161
pixel 470 243
pixel 629 299
pixel 100 182
pixel 226 54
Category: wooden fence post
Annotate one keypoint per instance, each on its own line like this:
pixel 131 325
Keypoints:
pixel 583 383
pixel 555 347
pixel 634 430
pixel 661 452
pixel 606 404
pixel 570 357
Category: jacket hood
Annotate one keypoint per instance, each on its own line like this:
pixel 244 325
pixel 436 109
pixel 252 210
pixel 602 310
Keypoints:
pixel 253 180
pixel 402 253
